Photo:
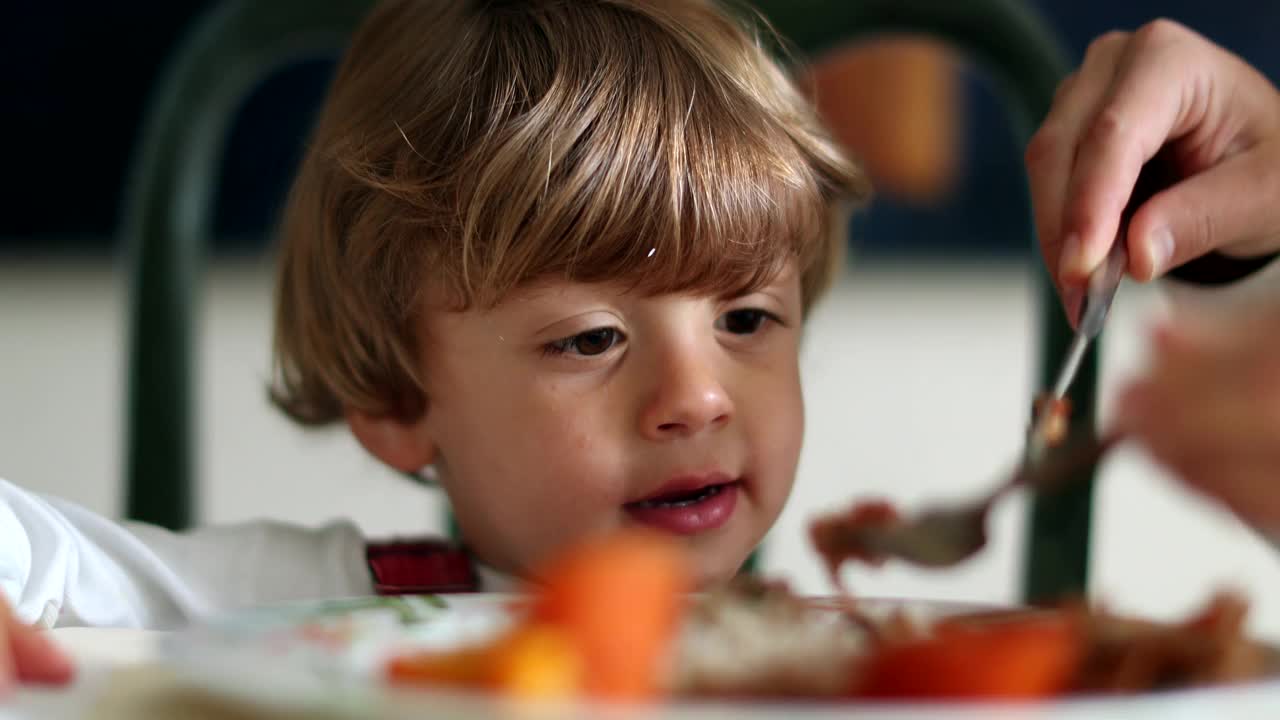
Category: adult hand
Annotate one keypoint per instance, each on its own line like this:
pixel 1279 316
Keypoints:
pixel 1208 409
pixel 1161 87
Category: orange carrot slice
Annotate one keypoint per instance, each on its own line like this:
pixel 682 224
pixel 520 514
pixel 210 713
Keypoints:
pixel 619 600
pixel 1030 657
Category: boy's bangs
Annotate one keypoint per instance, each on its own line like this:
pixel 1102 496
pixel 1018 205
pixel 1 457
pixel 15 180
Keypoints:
pixel 470 147
pixel 641 161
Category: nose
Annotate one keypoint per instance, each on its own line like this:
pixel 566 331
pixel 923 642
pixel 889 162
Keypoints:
pixel 688 399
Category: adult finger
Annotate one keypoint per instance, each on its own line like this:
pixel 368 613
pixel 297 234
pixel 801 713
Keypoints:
pixel 1050 154
pixel 1154 98
pixel 1232 203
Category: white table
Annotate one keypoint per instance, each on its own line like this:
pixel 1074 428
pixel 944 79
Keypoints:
pixel 118 679
pixel 100 655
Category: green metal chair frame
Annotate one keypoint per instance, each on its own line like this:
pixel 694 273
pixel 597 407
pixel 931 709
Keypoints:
pixel 243 41
pixel 168 215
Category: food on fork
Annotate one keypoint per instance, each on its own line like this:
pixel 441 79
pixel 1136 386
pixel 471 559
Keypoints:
pixel 1056 412
pixel 831 535
pixel 945 535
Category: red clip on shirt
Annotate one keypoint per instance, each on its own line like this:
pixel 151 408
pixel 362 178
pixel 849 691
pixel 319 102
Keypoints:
pixel 421 567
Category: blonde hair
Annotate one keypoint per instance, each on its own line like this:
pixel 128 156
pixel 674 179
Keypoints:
pixel 467 147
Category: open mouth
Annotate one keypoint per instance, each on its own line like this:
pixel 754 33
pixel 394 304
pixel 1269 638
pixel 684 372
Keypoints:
pixel 682 499
pixel 688 510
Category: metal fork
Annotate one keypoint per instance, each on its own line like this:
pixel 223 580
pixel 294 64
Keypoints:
pixel 1156 174
pixel 1103 283
pixel 946 535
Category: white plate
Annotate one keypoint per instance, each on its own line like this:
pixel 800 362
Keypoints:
pixel 327 657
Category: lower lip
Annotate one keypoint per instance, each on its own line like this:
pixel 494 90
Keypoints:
pixel 701 516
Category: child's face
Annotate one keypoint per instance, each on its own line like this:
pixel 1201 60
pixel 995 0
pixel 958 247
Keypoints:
pixel 572 409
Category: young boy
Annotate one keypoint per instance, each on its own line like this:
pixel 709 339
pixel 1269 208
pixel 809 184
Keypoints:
pixel 563 259
pixel 559 254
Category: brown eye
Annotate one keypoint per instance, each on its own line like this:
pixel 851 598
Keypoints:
pixel 742 322
pixel 591 342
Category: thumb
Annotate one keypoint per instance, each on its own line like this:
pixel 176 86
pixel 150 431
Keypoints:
pixel 1228 205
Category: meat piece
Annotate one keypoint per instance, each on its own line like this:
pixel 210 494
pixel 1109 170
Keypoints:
pixel 758 640
pixel 1127 656
pixel 1057 421
pixel 836 537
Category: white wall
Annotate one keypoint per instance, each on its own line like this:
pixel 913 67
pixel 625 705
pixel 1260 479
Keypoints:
pixel 917 383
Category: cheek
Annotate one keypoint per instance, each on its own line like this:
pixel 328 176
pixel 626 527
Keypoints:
pixel 776 382
pixel 532 478
pixel 777 410
pixel 548 446
pixel 791 423
pixel 557 419
pixel 572 434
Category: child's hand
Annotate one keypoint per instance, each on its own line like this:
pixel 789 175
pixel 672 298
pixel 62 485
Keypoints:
pixel 27 655
pixel 1209 410
pixel 1135 93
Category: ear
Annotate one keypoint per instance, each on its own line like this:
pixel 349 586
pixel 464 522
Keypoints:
pixel 405 446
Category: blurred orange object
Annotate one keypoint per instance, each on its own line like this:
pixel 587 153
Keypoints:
pixel 603 623
pixel 895 104
pixel 1023 658
pixel 531 661
pixel 538 662
pixel 619 600
pixel 469 668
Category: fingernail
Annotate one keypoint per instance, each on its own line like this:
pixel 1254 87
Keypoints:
pixel 1161 250
pixel 1072 298
pixel 1069 259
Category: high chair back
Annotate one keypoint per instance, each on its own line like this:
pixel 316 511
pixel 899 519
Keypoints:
pixel 168 216
pixel 240 43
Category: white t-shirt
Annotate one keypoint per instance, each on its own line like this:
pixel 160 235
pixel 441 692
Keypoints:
pixel 62 565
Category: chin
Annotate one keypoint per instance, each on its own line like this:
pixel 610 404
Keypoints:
pixel 713 569
pixel 719 557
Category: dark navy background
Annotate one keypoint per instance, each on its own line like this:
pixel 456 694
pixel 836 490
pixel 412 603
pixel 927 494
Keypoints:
pixel 75 76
